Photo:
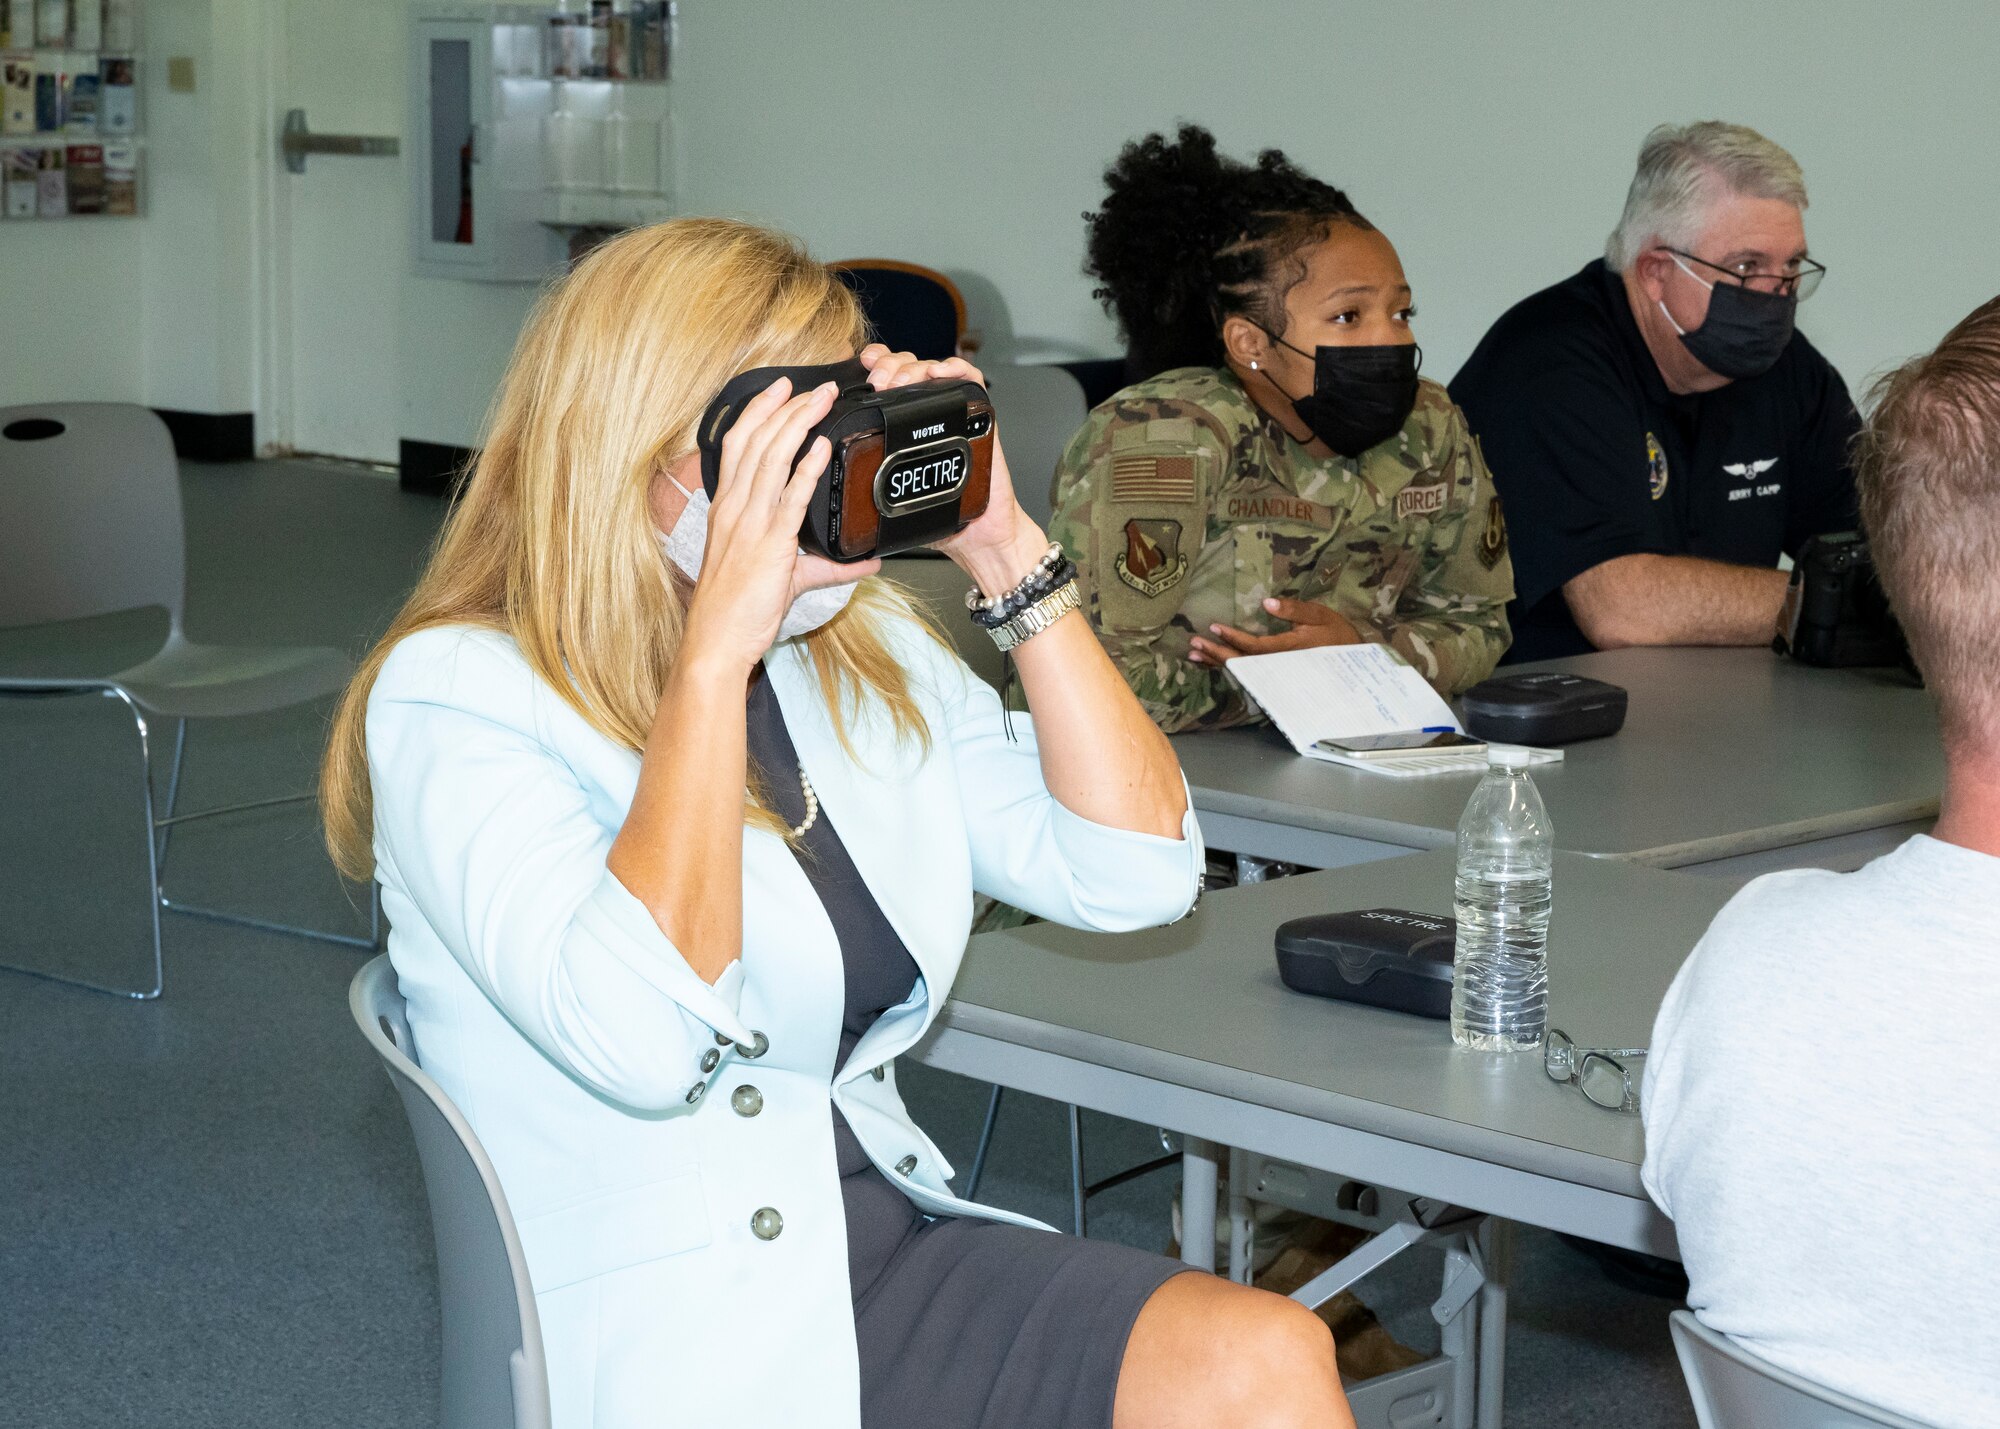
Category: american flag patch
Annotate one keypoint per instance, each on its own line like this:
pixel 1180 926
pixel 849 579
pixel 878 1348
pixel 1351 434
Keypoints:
pixel 1148 479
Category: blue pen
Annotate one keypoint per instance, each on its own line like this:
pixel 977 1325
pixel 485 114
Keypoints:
pixel 1439 729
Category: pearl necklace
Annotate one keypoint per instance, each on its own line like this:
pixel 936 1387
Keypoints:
pixel 812 805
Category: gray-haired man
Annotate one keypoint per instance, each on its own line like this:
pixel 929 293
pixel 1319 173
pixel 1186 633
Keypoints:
pixel 1657 429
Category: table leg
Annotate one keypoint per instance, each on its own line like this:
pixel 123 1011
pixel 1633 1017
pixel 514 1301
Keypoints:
pixel 1253 870
pixel 1242 1221
pixel 1200 1166
pixel 1459 1343
pixel 1496 1243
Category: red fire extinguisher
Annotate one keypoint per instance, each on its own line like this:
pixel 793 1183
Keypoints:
pixel 464 234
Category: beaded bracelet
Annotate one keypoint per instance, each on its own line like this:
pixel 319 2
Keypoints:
pixel 1035 586
pixel 976 602
pixel 985 613
pixel 1025 596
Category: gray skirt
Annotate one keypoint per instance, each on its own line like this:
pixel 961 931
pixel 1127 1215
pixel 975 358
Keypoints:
pixel 966 1324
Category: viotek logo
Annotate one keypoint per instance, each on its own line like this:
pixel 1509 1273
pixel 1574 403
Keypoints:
pixel 933 431
pixel 923 478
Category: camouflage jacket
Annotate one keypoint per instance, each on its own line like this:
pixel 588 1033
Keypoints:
pixel 1183 505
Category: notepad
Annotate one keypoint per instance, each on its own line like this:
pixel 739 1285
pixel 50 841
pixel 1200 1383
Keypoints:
pixel 1351 691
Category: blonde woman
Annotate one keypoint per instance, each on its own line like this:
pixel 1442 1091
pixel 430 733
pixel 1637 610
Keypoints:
pixel 677 867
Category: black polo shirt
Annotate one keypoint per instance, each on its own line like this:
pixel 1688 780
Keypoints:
pixel 1594 458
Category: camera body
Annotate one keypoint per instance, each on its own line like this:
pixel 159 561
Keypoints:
pixel 1836 612
pixel 909 466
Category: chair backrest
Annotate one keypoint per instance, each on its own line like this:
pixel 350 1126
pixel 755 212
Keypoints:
pixel 1040 409
pixel 941 585
pixel 1734 1389
pixel 910 307
pixel 90 513
pixel 1102 377
pixel 494 1373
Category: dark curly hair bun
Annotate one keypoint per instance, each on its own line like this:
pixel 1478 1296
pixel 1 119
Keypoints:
pixel 1187 237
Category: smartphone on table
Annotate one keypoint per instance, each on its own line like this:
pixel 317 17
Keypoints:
pixel 1402 743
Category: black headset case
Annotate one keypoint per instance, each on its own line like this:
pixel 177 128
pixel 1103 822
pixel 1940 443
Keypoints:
pixel 1382 957
pixel 1542 707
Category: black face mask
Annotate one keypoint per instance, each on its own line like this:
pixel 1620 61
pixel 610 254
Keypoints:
pixel 1745 332
pixel 1361 395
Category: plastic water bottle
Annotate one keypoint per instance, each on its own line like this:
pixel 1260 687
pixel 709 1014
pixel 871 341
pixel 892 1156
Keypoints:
pixel 1506 853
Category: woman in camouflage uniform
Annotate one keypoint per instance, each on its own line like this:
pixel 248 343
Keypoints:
pixel 1281 478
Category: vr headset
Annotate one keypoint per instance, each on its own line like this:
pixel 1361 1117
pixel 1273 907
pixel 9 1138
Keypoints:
pixel 1836 612
pixel 910 466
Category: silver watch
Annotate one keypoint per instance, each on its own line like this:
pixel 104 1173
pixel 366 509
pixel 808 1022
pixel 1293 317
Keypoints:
pixel 1037 617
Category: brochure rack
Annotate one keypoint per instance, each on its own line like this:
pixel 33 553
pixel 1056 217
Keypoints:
pixel 70 140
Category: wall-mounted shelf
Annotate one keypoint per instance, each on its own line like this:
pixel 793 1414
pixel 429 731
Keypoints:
pixel 43 141
pixel 603 210
pixel 509 157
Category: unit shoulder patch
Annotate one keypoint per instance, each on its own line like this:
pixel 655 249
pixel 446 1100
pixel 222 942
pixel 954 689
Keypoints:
pixel 1152 562
pixel 1656 466
pixel 1493 536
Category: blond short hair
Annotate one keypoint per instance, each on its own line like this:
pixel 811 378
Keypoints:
pixel 1928 468
pixel 552 541
pixel 1683 170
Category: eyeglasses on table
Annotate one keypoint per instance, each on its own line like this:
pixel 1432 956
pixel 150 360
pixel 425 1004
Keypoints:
pixel 1600 1073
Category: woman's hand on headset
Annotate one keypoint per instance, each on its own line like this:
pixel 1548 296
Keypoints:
pixel 1003 542
pixel 752 569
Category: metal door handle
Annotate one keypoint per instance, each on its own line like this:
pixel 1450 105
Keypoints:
pixel 298 141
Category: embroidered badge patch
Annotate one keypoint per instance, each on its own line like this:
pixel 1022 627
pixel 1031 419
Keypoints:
pixel 1493 539
pixel 1142 480
pixel 1426 500
pixel 1656 467
pixel 1152 562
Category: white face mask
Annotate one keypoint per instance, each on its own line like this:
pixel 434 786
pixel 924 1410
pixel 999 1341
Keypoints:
pixel 685 544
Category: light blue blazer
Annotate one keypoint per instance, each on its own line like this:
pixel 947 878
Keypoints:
pixel 601 1073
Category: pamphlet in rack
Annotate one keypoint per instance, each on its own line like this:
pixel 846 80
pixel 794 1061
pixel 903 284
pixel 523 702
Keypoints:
pixel 17 74
pixel 20 169
pixel 117 105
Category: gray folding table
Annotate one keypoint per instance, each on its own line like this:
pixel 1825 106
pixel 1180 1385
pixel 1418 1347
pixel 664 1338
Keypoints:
pixel 1731 762
pixel 1188 1027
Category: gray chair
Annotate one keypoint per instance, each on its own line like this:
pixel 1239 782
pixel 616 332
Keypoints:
pixel 941 586
pixel 494 1373
pixel 1040 409
pixel 1734 1389
pixel 90 525
pixel 1080 1188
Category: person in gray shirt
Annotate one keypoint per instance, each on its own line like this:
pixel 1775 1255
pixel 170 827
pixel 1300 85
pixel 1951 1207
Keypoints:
pixel 1821 1117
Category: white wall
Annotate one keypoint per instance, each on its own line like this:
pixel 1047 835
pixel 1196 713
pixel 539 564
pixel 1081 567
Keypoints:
pixel 70 318
pixel 1491 139
pixel 147 309
pixel 185 303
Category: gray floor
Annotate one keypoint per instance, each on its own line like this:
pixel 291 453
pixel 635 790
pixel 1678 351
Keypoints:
pixel 210 1212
